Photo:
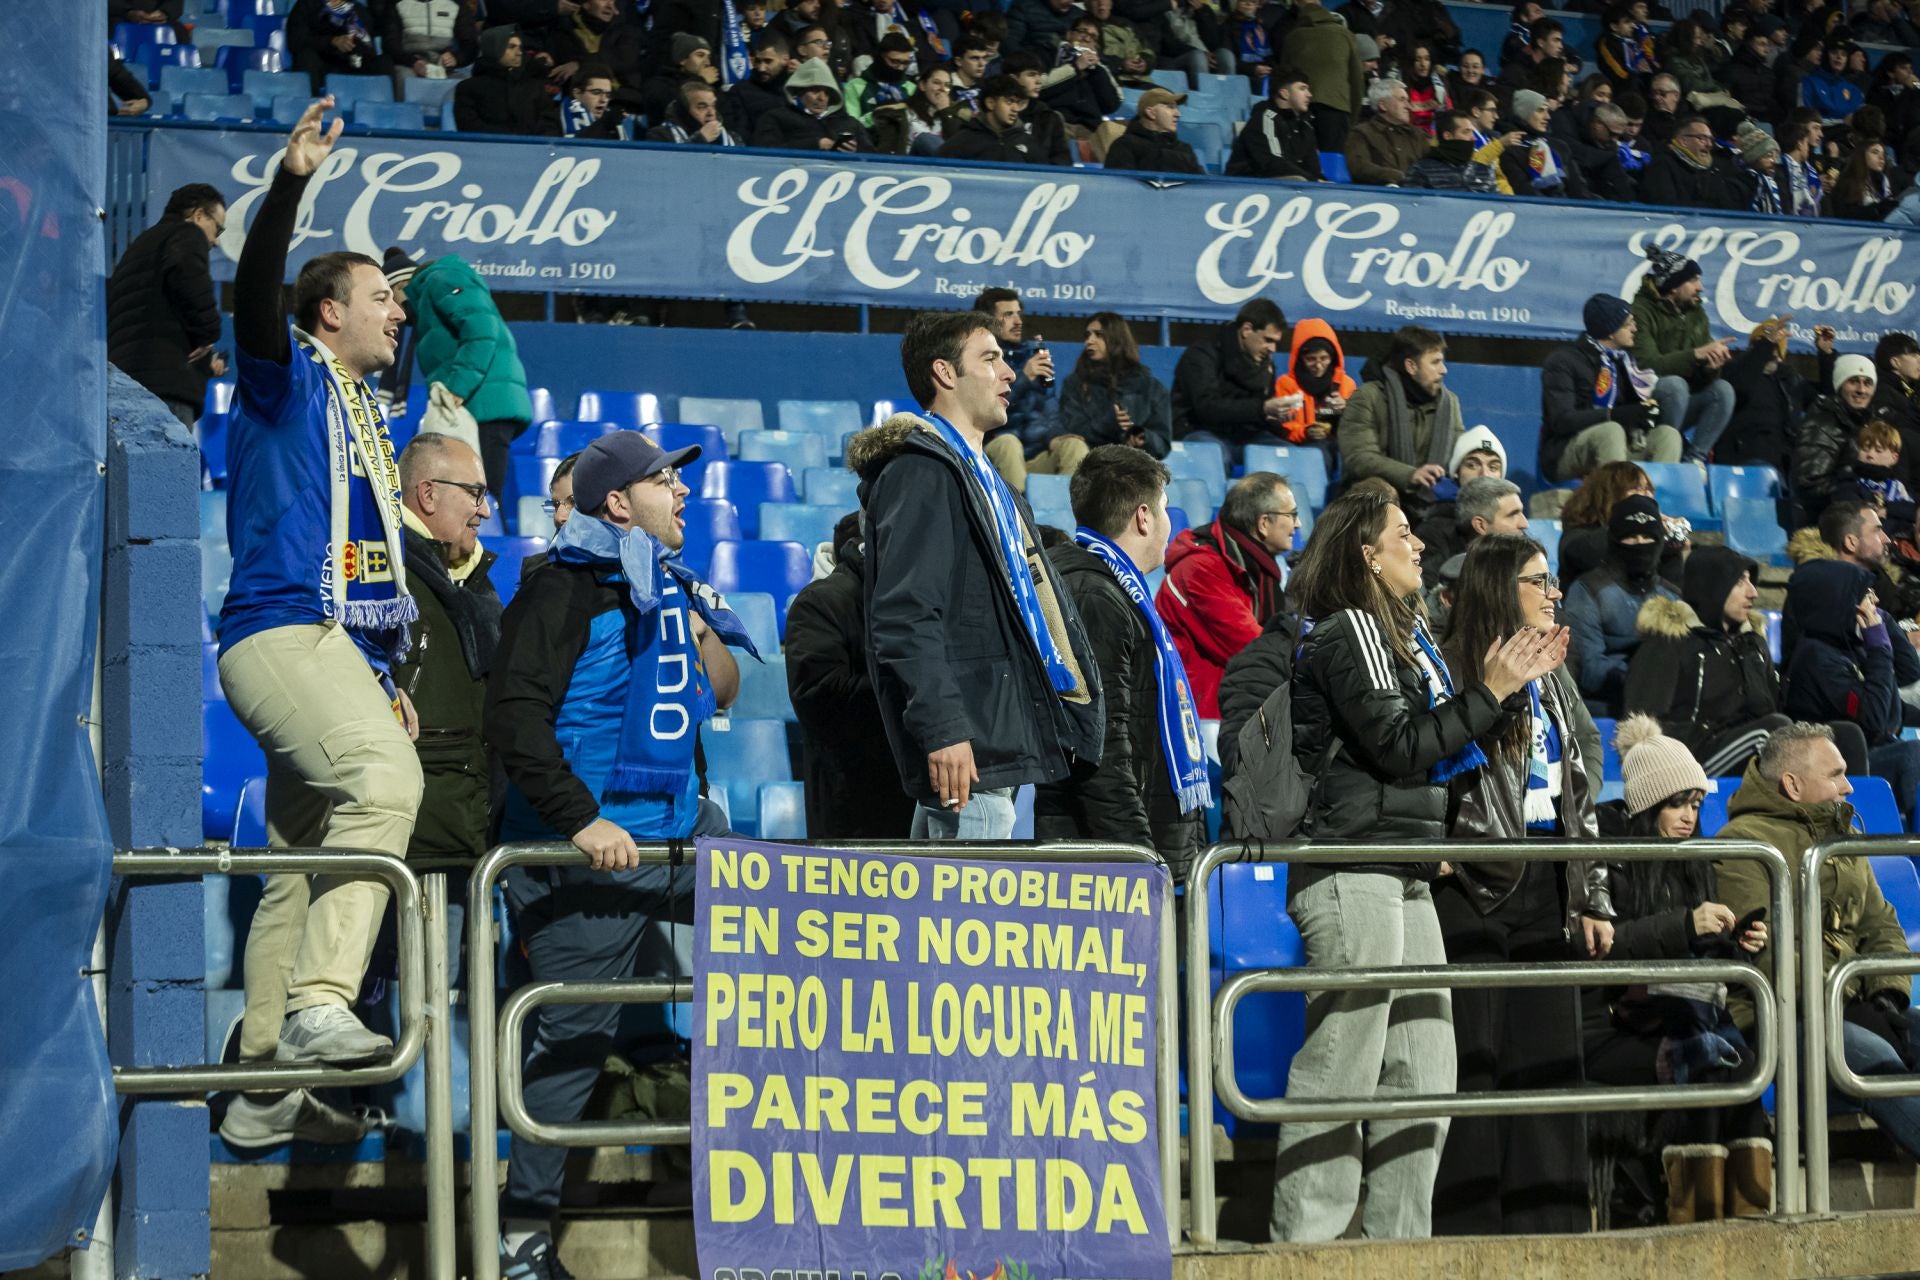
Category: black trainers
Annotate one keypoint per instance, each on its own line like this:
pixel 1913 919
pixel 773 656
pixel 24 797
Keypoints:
pixel 535 1259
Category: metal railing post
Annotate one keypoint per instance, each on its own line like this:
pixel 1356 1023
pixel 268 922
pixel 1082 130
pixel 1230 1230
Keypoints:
pixel 442 1242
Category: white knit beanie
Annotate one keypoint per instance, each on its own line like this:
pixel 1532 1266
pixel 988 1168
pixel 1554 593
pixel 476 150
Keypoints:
pixel 1474 439
pixel 1654 766
pixel 1853 366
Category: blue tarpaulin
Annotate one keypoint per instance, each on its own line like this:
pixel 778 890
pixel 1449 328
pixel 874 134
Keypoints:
pixel 57 1121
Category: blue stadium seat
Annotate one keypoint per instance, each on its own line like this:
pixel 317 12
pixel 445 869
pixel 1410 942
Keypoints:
pixel 1880 812
pixel 430 94
pixel 1547 534
pixel 217 106
pixel 1742 482
pixel 822 417
pixel 1250 929
pixel 158 58
pixel 744 755
pixel 709 521
pixel 1305 469
pixel 269 29
pixel 268 85
pixel 558 439
pixel 884 409
pixel 1176 81
pixel 1333 167
pixel 1195 459
pixel 232 756
pixel 1713 807
pixel 1049 491
pixel 731 416
pixel 622 408
pixel 543 410
pixel 801 522
pixel 288 107
pixel 1900 886
pixel 1059 517
pixel 447 122
pixel 182 80
pixel 219 396
pixel 679 435
pixel 1178 522
pixel 763 689
pixel 1192 497
pixel 1682 491
pixel 778 569
pixel 747 485
pixel 1209 140
pixel 832 487
pixel 133 39
pixel 210 690
pixel 1770 619
pixel 509 553
pixel 389 115
pixel 350 91
pixel 211 435
pixel 798 450
pixel 242 61
pixel 527 477
pixel 1610 758
pixel 1130 101
pixel 783 811
pixel 1753 529
pixel 762 621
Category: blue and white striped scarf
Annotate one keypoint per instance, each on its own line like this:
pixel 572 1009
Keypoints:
pixel 1439 690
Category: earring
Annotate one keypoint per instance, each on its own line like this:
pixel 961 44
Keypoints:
pixel 1376 569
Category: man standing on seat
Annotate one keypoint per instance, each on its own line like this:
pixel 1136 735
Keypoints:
pixel 983 672
pixel 611 655
pixel 317 613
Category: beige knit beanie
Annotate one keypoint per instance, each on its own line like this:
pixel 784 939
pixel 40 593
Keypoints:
pixel 1654 766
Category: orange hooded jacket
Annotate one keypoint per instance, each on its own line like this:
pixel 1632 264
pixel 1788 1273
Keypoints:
pixel 1287 385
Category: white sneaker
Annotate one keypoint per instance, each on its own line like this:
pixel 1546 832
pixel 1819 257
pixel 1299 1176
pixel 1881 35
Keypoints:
pixel 278 1118
pixel 331 1034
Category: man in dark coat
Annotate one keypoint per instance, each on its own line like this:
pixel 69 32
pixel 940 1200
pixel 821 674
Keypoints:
pixel 1223 385
pixel 764 89
pixel 500 97
pixel 997 132
pixel 163 316
pixel 812 118
pixel 853 790
pixel 1152 143
pixel 1278 139
pixel 1684 173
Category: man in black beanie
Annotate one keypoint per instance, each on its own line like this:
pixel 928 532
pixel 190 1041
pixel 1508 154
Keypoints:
pixel 1596 403
pixel 1674 341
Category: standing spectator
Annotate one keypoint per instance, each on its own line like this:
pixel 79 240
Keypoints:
pixel 1512 1175
pixel 428 38
pixel 499 97
pixel 1374 700
pixel 998 132
pixel 764 89
pixel 694 118
pixel 1317 375
pixel 1151 143
pixel 1487 505
pixel 853 790
pixel 1111 397
pixel 1403 422
pixel 1896 397
pixel 1151 787
pixel 1672 339
pixel 1225 581
pixel 590 111
pixel 1597 405
pixel 1603 608
pixel 558 508
pixel 333 37
pixel 1089 94
pixel 812 119
pixel 1703 669
pixel 1278 139
pixel 308 639
pixel 1223 385
pixel 1801 183
pixel 982 669
pixel 1039 25
pixel 1770 398
pixel 1381 149
pixel 1823 453
pixel 610 657
pixel 163 316
pixel 1427 94
pixel 1450 166
pixel 1863 192
pixel 1030 428
pixel 1684 173
pixel 461 342
pixel 1324 50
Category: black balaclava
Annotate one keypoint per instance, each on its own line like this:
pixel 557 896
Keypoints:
pixel 1635 517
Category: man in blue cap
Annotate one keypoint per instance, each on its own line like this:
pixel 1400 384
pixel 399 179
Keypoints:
pixel 1597 404
pixel 611 655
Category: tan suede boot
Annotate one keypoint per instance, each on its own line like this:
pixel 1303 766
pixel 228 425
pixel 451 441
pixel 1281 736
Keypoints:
pixel 1696 1182
pixel 1749 1192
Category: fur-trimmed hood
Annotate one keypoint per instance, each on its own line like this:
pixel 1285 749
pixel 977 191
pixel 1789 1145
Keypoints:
pixel 872 449
pixel 1807 544
pixel 1672 619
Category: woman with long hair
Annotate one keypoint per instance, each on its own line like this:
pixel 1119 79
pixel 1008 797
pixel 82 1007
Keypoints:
pixel 1717 1161
pixel 1583 521
pixel 1381 723
pixel 1111 397
pixel 1863 192
pixel 918 126
pixel 1517 1174
pixel 1426 83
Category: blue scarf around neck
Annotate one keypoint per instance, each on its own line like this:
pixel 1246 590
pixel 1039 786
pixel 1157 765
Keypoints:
pixel 1180 743
pixel 1439 690
pixel 1544 773
pixel 668 693
pixel 1011 536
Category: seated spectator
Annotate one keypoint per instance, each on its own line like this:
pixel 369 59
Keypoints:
pixel 1823 450
pixel 1896 397
pixel 1226 580
pixel 144 12
pixel 1749 76
pixel 1223 385
pixel 1402 424
pixel 500 97
pixel 1382 148
pixel 1625 51
pixel 694 117
pixel 1483 111
pixel 1703 668
pixel 1714 1161
pixel 1278 140
pixel 333 37
pixel 1534 164
pixel 918 126
pixel 1801 183
pixel 764 89
pixel 971 57
pixel 1484 504
pixel 1827 89
pixel 1088 93
pixel 868 23
pixel 1519 37
pixel 853 789
pixel 812 119
pixel 1450 166
pixel 1882 22
pixel 794 21
pixel 1152 143
pixel 1759 159
pixel 599 32
pixel 1032 410
pixel 1048 126
pixel 1877 468
pixel 127 93
pixel 428 38
pixel 1317 377
pixel 1688 56
pixel 1427 94
pixel 1547 44
pixel 885 81
pixel 1601 155
pixel 1897 94
pixel 1851 530
pixel 590 111
pixel 1039 25
pixel 1863 192
pixel 1243 33
pixel 1151 784
pixel 1603 608
pixel 691 63
pixel 1770 397
pixel 1111 397
pixel 1583 520
pixel 1672 339
pixel 1684 172
pixel 1116 42
pixel 998 133
pixel 1320 45
pixel 1662 119
pixel 1597 404
pixel 1470 78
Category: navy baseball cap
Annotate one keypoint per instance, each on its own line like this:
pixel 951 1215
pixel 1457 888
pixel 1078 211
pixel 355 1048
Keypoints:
pixel 616 460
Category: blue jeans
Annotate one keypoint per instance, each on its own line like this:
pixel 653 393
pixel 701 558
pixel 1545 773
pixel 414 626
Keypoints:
pixel 1869 1055
pixel 1700 415
pixel 988 816
pixel 1899 763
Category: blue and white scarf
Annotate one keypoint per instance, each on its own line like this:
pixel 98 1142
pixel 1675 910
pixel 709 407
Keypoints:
pixel 1543 764
pixel 934 40
pixel 575 118
pixel 1439 690
pixel 1803 187
pixel 1632 158
pixel 1180 743
pixel 1011 535
pixel 735 65
pixel 668 693
pixel 1618 368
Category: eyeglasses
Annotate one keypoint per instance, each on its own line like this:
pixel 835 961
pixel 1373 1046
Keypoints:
pixel 669 477
pixel 1545 581
pixel 478 492
pixel 553 508
pixel 1293 514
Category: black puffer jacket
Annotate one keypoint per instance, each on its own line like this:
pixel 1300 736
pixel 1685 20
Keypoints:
pixel 978 140
pixel 1698 679
pixel 1129 798
pixel 1823 454
pixel 950 657
pixel 1144 150
pixel 1770 398
pixel 1275 143
pixel 1217 389
pixel 1362 710
pixel 1250 676
pixel 160 306
pixel 496 100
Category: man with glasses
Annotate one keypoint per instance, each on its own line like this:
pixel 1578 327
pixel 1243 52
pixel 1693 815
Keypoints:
pixel 163 316
pixel 1687 172
pixel 590 111
pixel 611 656
pixel 1226 580
pixel 557 507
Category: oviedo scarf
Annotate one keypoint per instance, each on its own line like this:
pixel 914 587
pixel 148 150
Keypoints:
pixel 1617 367
pixel 1439 690
pixel 356 592
pixel 1180 743
pixel 1011 536
pixel 668 693
pixel 735 63
pixel 1543 764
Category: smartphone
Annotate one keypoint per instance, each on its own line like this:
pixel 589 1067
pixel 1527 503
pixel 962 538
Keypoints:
pixel 1747 922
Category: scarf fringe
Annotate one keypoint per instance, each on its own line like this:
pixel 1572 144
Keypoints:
pixel 378 615
pixel 1465 760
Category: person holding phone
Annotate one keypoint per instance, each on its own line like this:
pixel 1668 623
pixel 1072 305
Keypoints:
pixel 1715 1161
pixel 1111 397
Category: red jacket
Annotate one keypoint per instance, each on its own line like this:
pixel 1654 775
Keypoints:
pixel 1207 604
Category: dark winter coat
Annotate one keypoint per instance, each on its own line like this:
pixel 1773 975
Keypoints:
pixel 1653 904
pixel 1086 99
pixel 978 140
pixel 1749 78
pixel 1699 678
pixel 1600 168
pixel 1129 797
pixel 790 127
pixel 1144 150
pixel 1086 408
pixel 1322 47
pixel 496 100
pixel 1668 179
pixel 1568 380
pixel 623 47
pixel 160 306
pixel 853 789
pixel 1379 152
pixel 1835 671
pixel 1823 454
pixel 754 100
pixel 1604 616
pixel 1275 143
pixel 1450 166
pixel 950 658
pixel 1217 389
pixel 1768 407
pixel 1251 675
pixel 1898 403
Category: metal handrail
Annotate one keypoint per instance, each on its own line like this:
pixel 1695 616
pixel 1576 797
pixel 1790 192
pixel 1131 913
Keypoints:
pixel 1204 1035
pixel 581 1133
pixel 1822 1027
pixel 488 1073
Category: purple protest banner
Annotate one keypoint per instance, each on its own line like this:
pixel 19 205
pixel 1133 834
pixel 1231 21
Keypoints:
pixel 924 1069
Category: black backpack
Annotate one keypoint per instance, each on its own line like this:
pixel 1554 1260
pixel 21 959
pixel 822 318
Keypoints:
pixel 1269 792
